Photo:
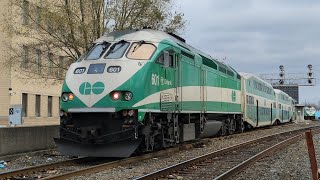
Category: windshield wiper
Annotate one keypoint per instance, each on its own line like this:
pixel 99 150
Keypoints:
pixel 122 42
pixel 138 45
pixel 104 48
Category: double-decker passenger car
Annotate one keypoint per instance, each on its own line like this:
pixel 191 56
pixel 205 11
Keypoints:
pixel 285 106
pixel 259 101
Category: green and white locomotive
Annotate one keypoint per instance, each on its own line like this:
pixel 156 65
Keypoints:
pixel 143 90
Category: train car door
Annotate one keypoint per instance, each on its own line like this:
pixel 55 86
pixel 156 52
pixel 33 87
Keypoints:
pixel 203 89
pixel 282 113
pixel 257 113
pixel 271 114
pixel 178 82
pixel 166 80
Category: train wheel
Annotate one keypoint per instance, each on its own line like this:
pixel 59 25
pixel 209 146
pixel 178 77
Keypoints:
pixel 241 126
pixel 231 126
pixel 223 130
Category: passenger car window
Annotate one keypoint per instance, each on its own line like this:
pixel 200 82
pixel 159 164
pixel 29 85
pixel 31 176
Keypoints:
pixel 141 51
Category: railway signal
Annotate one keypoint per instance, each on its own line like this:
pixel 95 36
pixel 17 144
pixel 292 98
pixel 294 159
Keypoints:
pixel 290 82
pixel 310 74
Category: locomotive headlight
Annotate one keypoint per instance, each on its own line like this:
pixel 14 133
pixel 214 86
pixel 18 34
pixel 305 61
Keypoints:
pixel 71 96
pixel 128 96
pixel 131 112
pixel 65 97
pixel 115 96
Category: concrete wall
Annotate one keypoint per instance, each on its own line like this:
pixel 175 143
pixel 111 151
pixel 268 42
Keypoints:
pixel 15 140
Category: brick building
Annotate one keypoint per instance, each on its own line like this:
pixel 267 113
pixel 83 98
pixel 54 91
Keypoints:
pixel 37 94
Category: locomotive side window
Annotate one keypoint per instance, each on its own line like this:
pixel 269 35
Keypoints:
pixel 97 51
pixel 141 51
pixel 117 50
pixel 160 59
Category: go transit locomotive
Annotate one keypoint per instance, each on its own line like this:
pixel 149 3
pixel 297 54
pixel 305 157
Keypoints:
pixel 143 90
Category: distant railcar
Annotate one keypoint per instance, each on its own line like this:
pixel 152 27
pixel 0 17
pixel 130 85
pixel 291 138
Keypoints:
pixel 309 113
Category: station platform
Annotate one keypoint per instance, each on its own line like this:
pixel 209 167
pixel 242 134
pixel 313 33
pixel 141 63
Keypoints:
pixel 22 139
pixel 4 122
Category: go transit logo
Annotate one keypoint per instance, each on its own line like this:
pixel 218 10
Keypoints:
pixel 86 88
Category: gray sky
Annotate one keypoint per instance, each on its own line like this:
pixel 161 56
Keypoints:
pixel 257 36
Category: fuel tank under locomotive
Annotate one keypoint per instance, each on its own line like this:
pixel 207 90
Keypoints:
pixel 98 134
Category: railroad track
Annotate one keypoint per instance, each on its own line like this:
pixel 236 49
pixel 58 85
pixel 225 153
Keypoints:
pixel 225 163
pixel 45 170
pixel 79 166
pixel 83 166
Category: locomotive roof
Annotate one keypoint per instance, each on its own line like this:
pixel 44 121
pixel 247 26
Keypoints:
pixel 155 36
pixel 137 35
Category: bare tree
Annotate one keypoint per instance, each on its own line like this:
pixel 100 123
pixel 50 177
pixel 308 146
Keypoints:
pixel 55 33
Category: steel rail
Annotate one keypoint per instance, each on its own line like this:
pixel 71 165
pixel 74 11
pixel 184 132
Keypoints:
pixel 105 166
pixel 38 168
pixel 235 170
pixel 175 168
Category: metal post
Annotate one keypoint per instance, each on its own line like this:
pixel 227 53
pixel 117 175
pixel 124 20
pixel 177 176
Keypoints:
pixel 312 155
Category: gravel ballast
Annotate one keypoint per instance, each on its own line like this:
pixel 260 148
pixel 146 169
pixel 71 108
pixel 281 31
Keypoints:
pixel 290 163
pixel 138 169
pixel 25 160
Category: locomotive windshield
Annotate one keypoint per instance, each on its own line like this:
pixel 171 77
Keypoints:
pixel 97 51
pixel 141 51
pixel 117 50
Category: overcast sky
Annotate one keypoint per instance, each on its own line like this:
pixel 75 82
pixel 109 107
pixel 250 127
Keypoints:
pixel 257 36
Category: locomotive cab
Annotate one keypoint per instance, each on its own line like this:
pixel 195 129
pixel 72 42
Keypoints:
pixel 100 93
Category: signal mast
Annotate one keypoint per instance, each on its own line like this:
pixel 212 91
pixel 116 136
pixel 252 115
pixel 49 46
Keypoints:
pixel 290 82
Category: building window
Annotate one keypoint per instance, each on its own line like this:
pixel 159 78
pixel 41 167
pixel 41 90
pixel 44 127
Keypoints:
pixel 25 57
pixel 38 105
pixel 24 105
pixel 60 68
pixel 25 12
pixel 49 106
pixel 38 17
pixel 50 59
pixel 49 23
pixel 38 60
